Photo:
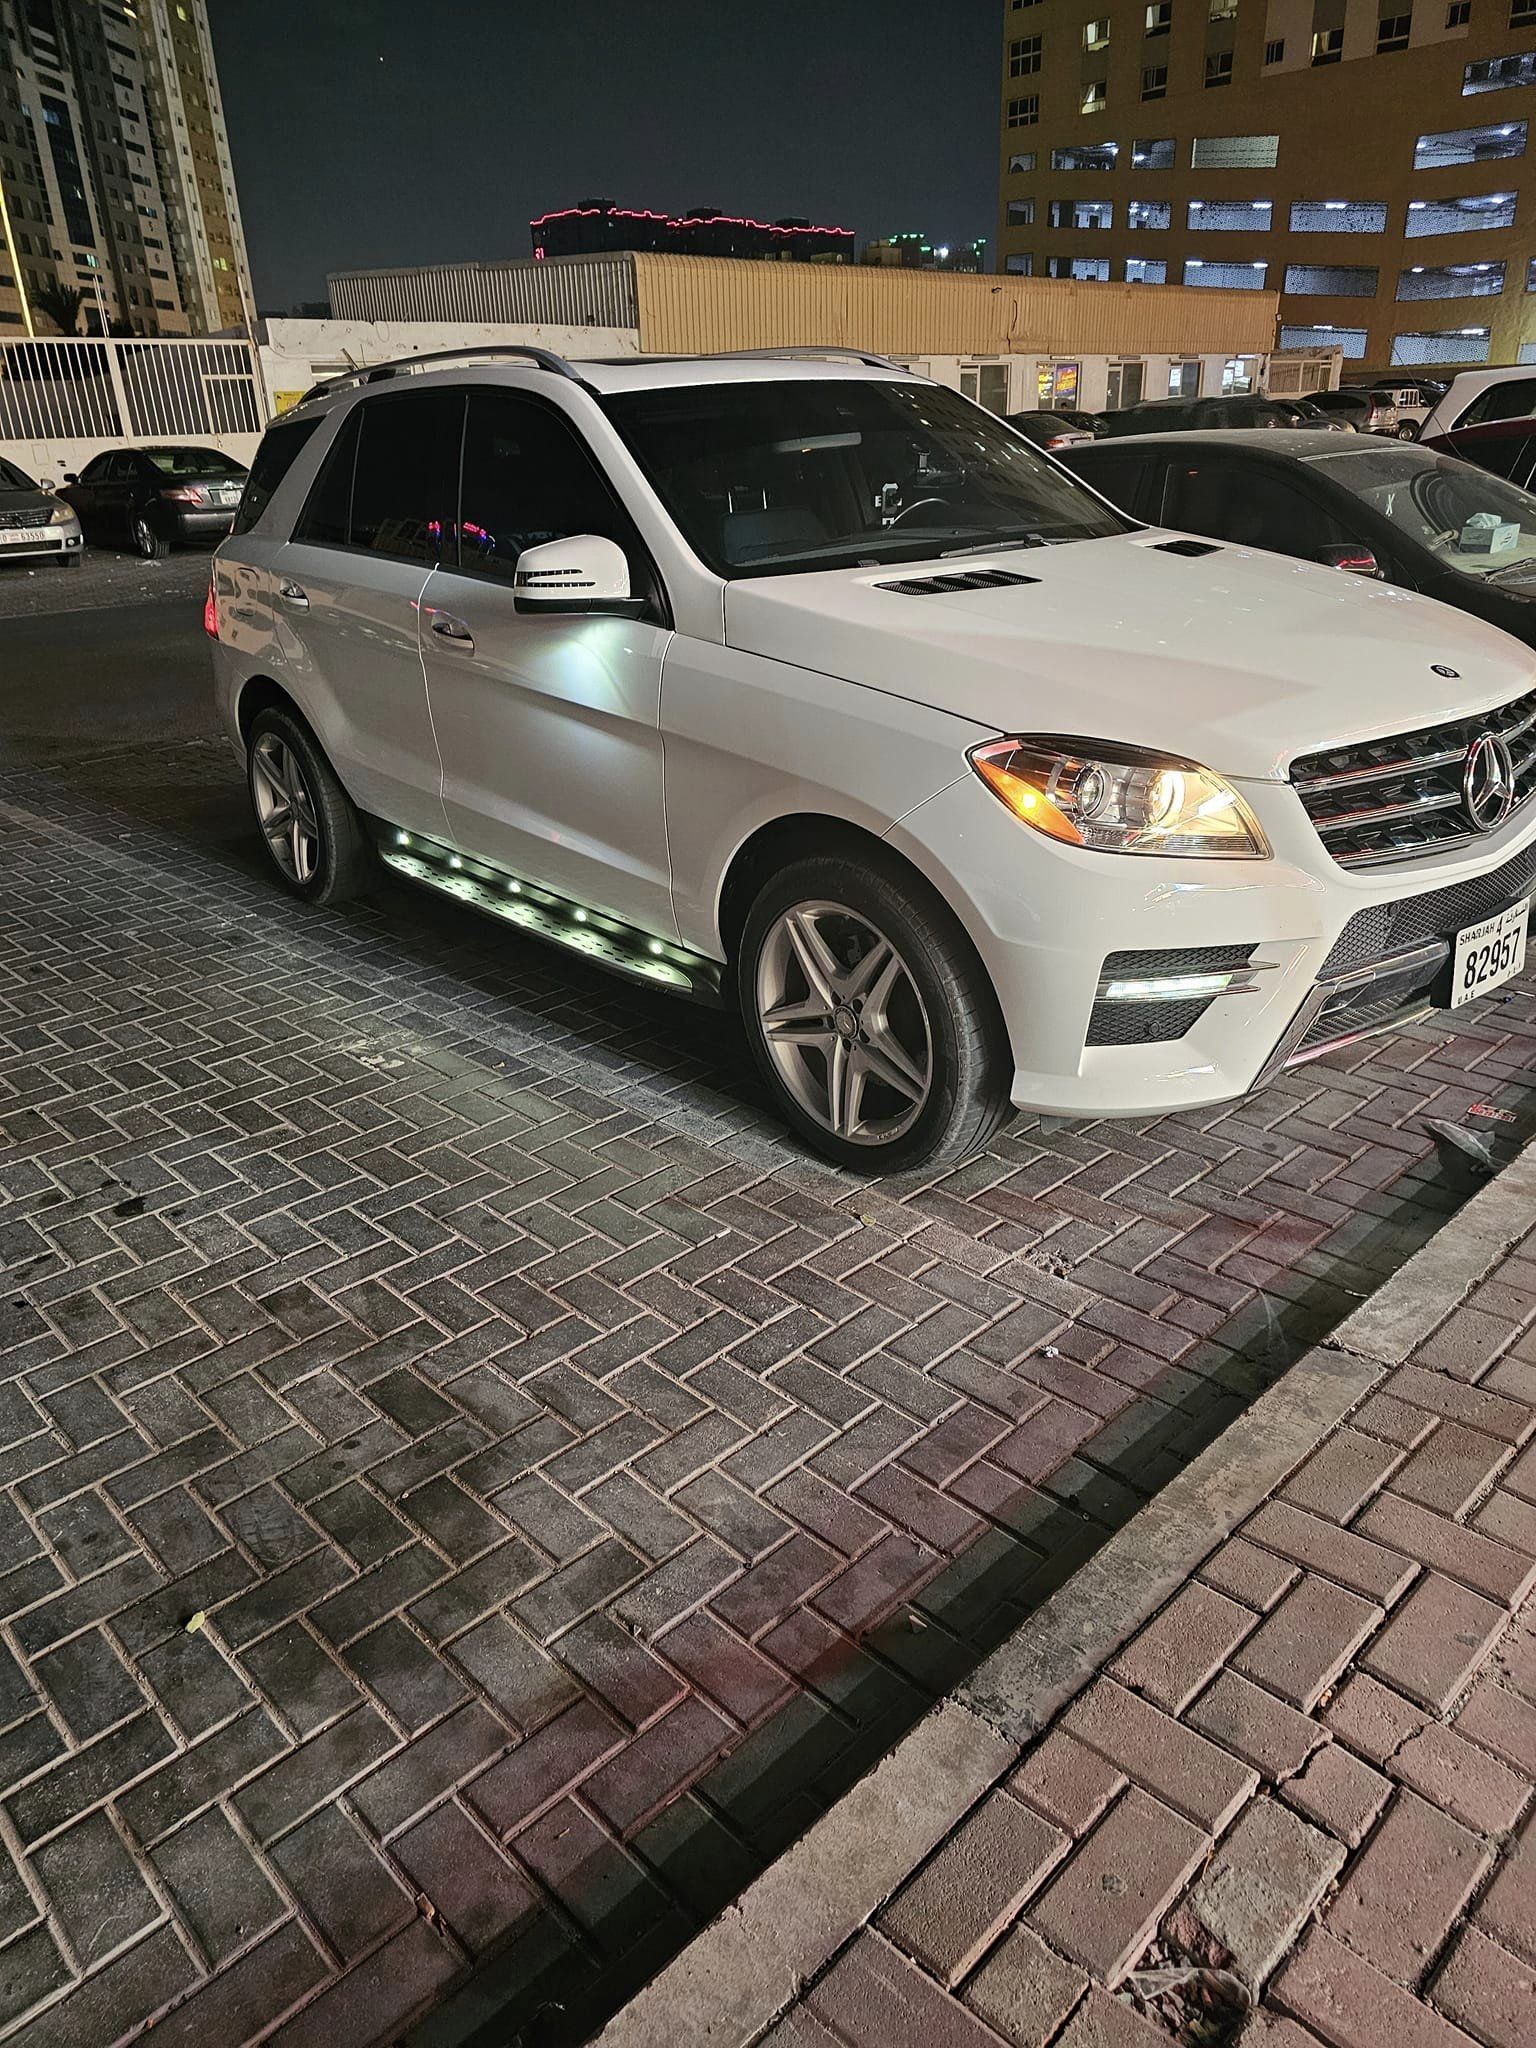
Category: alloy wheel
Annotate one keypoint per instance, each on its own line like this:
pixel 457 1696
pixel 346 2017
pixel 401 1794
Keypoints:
pixel 844 1023
pixel 285 808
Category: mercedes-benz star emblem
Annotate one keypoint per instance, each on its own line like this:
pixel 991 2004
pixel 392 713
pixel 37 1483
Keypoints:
pixel 1488 782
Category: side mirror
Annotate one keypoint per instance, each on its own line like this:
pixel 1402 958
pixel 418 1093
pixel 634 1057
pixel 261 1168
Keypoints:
pixel 70 477
pixel 46 483
pixel 1357 559
pixel 585 573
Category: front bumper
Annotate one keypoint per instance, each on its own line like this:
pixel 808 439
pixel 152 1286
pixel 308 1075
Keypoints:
pixel 1320 955
pixel 42 543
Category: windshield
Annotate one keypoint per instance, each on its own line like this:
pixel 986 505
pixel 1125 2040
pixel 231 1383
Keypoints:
pixel 194 462
pixel 766 478
pixel 1470 521
pixel 14 479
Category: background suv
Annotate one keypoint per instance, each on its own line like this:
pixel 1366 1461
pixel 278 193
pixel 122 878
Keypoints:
pixel 810 686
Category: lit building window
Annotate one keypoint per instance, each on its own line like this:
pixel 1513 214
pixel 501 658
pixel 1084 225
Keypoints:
pixel 1332 280
pixel 1086 269
pixel 1095 96
pixel 1493 74
pixel 1451 281
pixel 1021 213
pixel 1328 46
pixel 1469 145
pixel 1234 152
pixel 1082 213
pixel 1338 217
pixel 1443 345
pixel 1096 35
pixel 1145 270
pixel 1022 161
pixel 1184 379
pixel 1148 213
pixel 1459 216
pixel 1160 18
pixel 1152 154
pixel 1231 277
pixel 1351 340
pixel 1229 216
pixel 1019 265
pixel 1086 156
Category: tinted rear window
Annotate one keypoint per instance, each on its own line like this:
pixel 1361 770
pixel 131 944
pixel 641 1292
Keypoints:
pixel 279 450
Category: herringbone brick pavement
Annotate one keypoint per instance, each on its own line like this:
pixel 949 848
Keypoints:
pixel 470 1490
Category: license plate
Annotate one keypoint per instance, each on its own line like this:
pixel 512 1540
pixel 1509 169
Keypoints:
pixel 229 494
pixel 1489 953
pixel 22 536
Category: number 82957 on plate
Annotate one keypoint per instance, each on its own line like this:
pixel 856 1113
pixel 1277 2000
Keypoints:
pixel 1489 953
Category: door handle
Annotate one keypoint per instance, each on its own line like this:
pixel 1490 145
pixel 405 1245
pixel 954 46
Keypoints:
pixel 449 628
pixel 293 594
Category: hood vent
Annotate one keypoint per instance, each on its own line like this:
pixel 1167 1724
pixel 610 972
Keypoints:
pixel 1186 547
pixel 956 579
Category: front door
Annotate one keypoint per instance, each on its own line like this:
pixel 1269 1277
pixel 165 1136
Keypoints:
pixel 346 595
pixel 548 727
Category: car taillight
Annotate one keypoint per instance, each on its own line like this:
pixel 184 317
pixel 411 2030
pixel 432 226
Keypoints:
pixel 211 611
pixel 184 494
pixel 1061 440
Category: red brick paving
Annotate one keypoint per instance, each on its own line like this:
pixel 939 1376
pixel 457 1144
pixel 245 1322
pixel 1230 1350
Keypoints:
pixel 1315 1767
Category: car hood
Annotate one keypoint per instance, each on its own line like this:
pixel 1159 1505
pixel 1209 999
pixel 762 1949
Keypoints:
pixel 1235 658
pixel 24 501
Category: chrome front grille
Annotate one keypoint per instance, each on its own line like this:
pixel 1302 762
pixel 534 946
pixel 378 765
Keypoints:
pixel 1400 798
pixel 35 516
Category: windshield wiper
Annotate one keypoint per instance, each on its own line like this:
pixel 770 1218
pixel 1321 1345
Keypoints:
pixel 996 547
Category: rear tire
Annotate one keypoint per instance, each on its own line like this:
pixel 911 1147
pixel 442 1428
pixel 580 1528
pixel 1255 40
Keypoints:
pixel 309 825
pixel 149 541
pixel 870 1016
pixel 1407 430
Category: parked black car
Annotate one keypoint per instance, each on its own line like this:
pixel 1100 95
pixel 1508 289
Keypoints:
pixel 1094 423
pixel 1368 412
pixel 1054 430
pixel 152 497
pixel 1194 415
pixel 34 524
pixel 1379 507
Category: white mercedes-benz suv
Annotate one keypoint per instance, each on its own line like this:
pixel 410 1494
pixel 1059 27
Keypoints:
pixel 800 683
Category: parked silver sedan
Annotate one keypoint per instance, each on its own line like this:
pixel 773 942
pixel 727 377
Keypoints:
pixel 34 524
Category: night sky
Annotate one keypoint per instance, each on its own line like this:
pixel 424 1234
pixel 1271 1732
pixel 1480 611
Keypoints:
pixel 417 131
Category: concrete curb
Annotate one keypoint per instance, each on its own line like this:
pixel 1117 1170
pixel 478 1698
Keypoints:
pixel 747 1965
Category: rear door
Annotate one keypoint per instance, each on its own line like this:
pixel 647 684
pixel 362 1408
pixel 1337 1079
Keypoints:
pixel 549 726
pixel 347 594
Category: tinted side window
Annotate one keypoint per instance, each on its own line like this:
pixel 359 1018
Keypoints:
pixel 406 481
pixel 1120 478
pixel 328 508
pixel 95 472
pixel 1515 400
pixel 1501 454
pixel 528 478
pixel 1247 503
pixel 279 450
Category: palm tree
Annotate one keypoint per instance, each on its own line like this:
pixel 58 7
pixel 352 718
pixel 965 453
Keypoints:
pixel 61 303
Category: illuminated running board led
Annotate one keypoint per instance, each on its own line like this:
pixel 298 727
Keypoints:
pixel 545 915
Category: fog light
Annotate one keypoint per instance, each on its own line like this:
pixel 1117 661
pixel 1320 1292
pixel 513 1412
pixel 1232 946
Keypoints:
pixel 1166 988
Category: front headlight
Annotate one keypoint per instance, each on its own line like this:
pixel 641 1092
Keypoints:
pixel 62 514
pixel 1118 800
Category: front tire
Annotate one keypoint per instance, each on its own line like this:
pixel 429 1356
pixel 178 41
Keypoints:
pixel 313 835
pixel 870 1016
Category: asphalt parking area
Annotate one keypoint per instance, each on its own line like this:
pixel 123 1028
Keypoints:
pixel 472 1489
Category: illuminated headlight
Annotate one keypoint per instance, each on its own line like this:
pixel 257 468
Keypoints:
pixel 62 514
pixel 1123 800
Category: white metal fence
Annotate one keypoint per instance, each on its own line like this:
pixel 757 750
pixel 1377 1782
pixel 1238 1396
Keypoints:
pixel 63 399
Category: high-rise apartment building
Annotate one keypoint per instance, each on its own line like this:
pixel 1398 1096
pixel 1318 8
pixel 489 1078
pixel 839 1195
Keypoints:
pixel 115 178
pixel 1371 160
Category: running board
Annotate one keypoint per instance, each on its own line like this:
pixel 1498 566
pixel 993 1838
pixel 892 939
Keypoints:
pixel 544 915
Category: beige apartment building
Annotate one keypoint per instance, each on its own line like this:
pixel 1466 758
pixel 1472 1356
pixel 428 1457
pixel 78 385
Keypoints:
pixel 115 175
pixel 1370 160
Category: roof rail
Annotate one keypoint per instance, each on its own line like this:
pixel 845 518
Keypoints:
pixel 374 373
pixel 849 355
